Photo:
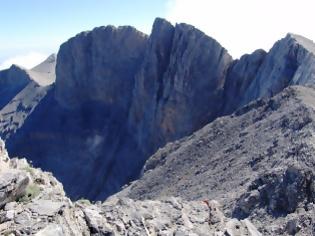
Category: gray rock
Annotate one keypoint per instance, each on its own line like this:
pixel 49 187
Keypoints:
pixel 240 76
pixel 51 213
pixel 99 66
pixel 292 227
pixel 289 62
pixel 258 162
pixel 280 193
pixel 12 186
pixel 44 73
pixel 45 207
pixel 182 75
pixel 115 134
pixel 12 81
pixel 51 230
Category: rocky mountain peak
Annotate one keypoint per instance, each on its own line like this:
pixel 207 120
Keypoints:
pixel 160 23
pixel 44 73
pixel 120 95
pixel 308 44
pixel 99 64
pixel 48 65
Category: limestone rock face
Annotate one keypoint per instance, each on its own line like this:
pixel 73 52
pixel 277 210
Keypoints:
pixel 240 76
pixel 120 95
pixel 99 66
pixel 180 85
pixel 290 61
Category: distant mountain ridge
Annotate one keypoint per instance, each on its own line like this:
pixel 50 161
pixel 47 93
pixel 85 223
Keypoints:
pixel 120 95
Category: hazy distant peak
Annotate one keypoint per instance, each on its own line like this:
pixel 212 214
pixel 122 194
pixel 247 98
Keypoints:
pixel 47 66
pixel 44 73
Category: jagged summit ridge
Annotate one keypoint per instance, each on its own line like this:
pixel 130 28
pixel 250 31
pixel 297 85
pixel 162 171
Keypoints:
pixel 305 42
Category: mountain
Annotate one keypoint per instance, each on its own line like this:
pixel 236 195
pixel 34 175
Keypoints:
pixel 120 95
pixel 21 91
pixel 212 145
pixel 12 80
pixel 256 165
pixel 258 162
pixel 44 73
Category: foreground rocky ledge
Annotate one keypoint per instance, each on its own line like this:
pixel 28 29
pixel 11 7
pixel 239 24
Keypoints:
pixel 33 203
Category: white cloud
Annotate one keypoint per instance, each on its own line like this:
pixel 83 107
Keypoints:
pixel 242 26
pixel 28 60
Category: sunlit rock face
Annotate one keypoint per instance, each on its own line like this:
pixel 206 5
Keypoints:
pixel 179 87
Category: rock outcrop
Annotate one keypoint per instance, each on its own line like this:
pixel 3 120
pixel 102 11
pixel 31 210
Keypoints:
pixel 258 162
pixel 32 202
pixel 289 62
pixel 179 87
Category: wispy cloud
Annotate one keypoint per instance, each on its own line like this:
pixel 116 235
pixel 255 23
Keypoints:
pixel 27 60
pixel 245 25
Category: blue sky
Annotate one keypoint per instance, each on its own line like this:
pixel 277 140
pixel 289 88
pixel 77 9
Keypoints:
pixel 32 29
pixel 41 26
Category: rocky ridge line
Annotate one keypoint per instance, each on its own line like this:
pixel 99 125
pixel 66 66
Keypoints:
pixel 258 162
pixel 32 202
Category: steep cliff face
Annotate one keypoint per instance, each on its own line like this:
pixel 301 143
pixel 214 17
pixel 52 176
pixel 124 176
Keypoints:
pixel 180 85
pixel 240 75
pixel 289 62
pixel 118 97
pixel 99 66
